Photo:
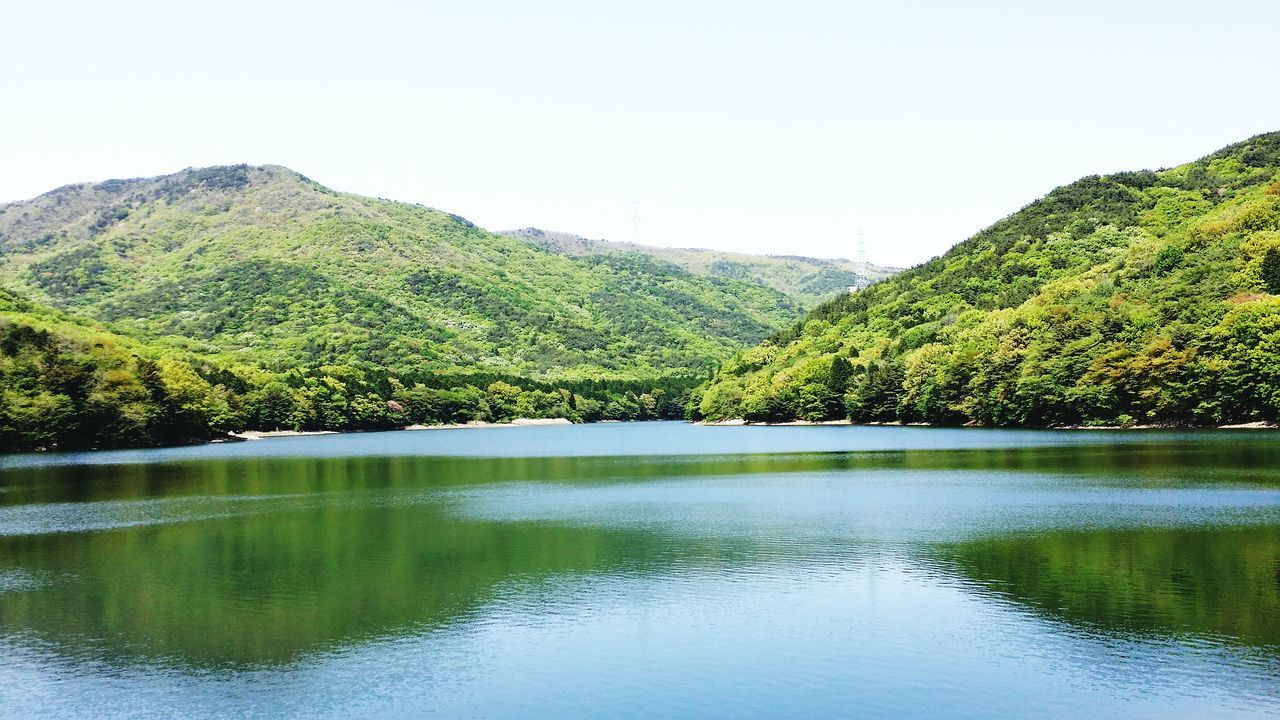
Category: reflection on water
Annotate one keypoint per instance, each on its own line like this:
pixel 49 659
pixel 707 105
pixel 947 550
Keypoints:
pixel 1220 582
pixel 1137 576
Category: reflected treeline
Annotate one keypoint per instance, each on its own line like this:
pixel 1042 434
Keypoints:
pixel 319 553
pixel 284 476
pixel 1216 581
pixel 1253 458
pixel 269 587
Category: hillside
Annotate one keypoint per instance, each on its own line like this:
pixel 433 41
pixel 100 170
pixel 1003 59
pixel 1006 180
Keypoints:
pixel 809 280
pixel 264 266
pixel 256 277
pixel 1139 297
pixel 68 382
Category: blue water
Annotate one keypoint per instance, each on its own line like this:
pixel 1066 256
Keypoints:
pixel 652 569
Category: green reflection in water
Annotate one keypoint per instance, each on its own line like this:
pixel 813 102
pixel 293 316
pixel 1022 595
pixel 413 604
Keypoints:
pixel 1216 581
pixel 260 561
pixel 265 588
pixel 1243 459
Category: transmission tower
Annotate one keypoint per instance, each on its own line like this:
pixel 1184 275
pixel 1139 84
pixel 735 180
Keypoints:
pixel 862 253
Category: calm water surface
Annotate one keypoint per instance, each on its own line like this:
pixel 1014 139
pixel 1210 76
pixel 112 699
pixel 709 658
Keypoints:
pixel 653 569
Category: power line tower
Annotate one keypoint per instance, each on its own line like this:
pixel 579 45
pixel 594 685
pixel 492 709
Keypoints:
pixel 635 221
pixel 862 253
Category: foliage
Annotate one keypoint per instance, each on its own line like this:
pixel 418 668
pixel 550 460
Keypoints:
pixel 1132 298
pixel 259 266
pixel 68 383
pixel 243 297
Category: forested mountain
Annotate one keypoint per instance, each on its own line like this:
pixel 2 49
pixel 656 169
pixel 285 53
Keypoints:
pixel 264 266
pixel 272 301
pixel 68 382
pixel 1138 297
pixel 811 280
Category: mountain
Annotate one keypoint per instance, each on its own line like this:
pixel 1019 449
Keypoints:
pixel 261 265
pixel 255 278
pixel 1137 297
pixel 809 280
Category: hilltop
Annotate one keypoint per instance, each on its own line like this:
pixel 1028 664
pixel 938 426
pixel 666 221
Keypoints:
pixel 1138 297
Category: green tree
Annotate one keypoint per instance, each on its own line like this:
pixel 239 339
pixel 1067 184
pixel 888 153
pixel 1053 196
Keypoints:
pixel 1271 271
pixel 503 399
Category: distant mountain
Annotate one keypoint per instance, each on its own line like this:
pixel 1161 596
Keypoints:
pixel 1138 297
pixel 809 280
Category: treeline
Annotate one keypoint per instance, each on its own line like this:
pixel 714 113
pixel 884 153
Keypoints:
pixel 1035 370
pixel 72 387
pixel 1136 298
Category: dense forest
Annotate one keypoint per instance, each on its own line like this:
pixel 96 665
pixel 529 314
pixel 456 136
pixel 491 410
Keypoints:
pixel 69 383
pixel 1146 297
pixel 162 310
pixel 262 266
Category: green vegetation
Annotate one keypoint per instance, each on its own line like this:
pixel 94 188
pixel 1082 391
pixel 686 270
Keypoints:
pixel 810 280
pixel 69 383
pixel 261 266
pixel 1141 297
pixel 167 309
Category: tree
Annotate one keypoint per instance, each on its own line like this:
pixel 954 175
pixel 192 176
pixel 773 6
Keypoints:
pixel 1271 271
pixel 502 398
pixel 272 407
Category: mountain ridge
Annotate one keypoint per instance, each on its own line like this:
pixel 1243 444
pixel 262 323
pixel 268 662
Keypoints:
pixel 808 278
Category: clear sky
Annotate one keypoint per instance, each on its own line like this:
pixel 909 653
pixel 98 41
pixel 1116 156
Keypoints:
pixel 764 127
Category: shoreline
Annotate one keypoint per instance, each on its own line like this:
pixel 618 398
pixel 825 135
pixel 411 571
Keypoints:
pixel 516 422
pixel 254 435
pixel 250 435
pixel 740 422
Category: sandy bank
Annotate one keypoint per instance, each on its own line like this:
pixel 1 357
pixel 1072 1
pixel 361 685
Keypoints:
pixel 263 434
pixel 518 422
pixel 737 422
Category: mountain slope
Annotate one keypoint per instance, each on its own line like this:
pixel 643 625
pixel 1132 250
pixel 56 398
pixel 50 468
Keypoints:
pixel 68 382
pixel 809 280
pixel 1135 297
pixel 259 265
pixel 162 310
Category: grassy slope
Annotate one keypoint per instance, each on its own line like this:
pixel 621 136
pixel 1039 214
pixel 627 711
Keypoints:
pixel 260 266
pixel 1135 297
pixel 810 280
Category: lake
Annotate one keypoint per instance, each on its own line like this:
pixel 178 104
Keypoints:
pixel 648 569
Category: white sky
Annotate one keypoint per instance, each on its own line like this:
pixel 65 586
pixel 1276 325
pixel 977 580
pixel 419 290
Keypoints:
pixel 762 127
